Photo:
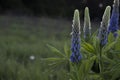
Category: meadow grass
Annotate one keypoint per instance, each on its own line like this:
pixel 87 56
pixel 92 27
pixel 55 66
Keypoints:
pixel 22 37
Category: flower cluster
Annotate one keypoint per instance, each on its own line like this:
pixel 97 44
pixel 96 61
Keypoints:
pixel 107 25
pixel 113 25
pixel 103 37
pixel 102 34
pixel 75 46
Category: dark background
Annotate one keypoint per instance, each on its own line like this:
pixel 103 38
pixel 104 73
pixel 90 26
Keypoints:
pixel 53 8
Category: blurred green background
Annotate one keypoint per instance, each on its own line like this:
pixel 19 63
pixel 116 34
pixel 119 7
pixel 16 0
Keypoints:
pixel 23 43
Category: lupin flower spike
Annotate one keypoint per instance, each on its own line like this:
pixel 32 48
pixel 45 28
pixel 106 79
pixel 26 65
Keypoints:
pixel 87 24
pixel 113 25
pixel 103 34
pixel 75 45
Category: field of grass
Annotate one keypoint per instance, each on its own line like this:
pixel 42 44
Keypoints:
pixel 24 37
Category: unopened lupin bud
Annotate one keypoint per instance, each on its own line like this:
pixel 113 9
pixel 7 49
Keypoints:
pixel 87 24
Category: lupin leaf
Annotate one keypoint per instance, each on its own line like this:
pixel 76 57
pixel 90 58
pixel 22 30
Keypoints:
pixel 108 47
pixel 55 63
pixel 111 38
pixel 88 47
pixel 85 68
pixel 67 50
pixel 56 51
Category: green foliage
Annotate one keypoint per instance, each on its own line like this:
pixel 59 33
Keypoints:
pixel 98 62
pixel 20 40
pixel 61 59
pixel 82 71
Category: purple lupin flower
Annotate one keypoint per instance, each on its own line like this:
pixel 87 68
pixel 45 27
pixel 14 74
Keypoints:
pixel 102 34
pixel 75 45
pixel 113 25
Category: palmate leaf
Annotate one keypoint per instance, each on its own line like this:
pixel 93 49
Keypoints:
pixel 93 36
pixel 85 67
pixel 91 47
pixel 114 55
pixel 86 47
pixel 55 63
pixel 56 51
pixel 116 71
pixel 112 67
pixel 81 71
pixel 117 45
pixel 108 47
pixel 113 72
pixel 60 61
pixel 74 72
pixel 67 51
pixel 111 48
pixel 116 75
pixel 111 38
pixel 53 59
pixel 94 76
pixel 96 45
pixel 108 60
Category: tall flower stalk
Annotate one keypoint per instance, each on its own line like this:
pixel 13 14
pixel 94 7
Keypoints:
pixel 87 24
pixel 75 45
pixel 103 34
pixel 113 25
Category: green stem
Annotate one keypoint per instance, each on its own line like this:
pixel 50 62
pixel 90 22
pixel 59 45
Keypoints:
pixel 100 61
